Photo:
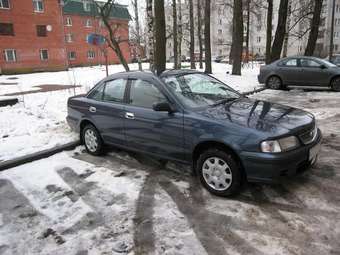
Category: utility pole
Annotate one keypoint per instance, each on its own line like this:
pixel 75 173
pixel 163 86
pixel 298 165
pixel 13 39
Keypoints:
pixel 331 44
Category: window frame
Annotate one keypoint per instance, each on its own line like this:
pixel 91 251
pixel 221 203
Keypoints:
pixel 125 96
pixel 68 55
pixel 43 33
pixel 12 29
pixel 88 54
pixel 6 55
pixel 68 22
pixel 2 5
pixel 88 21
pixel 42 4
pixel 69 36
pixel 41 54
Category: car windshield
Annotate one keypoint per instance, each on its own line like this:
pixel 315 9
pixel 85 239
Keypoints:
pixel 327 63
pixel 199 90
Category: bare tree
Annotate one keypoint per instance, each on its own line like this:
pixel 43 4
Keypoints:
pixel 331 43
pixel 199 32
pixel 237 44
pixel 248 31
pixel 315 23
pixel 207 43
pixel 269 30
pixel 174 18
pixel 113 40
pixel 280 31
pixel 160 50
pixel 135 7
pixel 180 33
pixel 150 32
pixel 192 35
pixel 286 38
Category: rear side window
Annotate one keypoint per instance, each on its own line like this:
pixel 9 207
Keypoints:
pixel 309 63
pixel 145 94
pixel 97 93
pixel 114 91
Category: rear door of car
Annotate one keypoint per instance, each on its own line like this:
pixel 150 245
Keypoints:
pixel 289 71
pixel 106 109
pixel 313 73
pixel 148 130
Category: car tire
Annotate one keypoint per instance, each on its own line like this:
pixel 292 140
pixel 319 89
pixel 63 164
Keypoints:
pixel 92 140
pixel 274 82
pixel 335 84
pixel 219 172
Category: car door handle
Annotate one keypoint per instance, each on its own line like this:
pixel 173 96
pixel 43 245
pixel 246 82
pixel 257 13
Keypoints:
pixel 92 109
pixel 129 115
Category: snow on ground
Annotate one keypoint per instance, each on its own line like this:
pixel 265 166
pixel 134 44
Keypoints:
pixel 38 121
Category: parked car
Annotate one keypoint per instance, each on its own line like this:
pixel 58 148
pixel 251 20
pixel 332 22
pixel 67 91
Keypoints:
pixel 218 59
pixel 300 71
pixel 190 117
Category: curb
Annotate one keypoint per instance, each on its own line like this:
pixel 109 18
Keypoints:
pixel 254 91
pixel 37 155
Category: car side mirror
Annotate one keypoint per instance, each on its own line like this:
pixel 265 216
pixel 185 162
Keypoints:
pixel 323 67
pixel 162 107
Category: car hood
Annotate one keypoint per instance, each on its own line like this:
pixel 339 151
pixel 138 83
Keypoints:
pixel 271 118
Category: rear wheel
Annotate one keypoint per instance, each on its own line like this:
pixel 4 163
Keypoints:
pixel 92 140
pixel 274 82
pixel 335 84
pixel 219 172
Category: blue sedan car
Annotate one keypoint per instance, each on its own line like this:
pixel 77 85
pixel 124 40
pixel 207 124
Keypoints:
pixel 190 117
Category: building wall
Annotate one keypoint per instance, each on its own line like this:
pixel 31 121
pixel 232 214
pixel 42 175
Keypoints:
pixel 26 42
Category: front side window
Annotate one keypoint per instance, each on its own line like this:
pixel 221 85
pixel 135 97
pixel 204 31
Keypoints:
pixel 309 63
pixel 97 93
pixel 4 4
pixel 114 91
pixel 44 54
pixel 199 90
pixel 6 29
pixel 38 5
pixel 144 94
pixel 41 31
pixel 10 55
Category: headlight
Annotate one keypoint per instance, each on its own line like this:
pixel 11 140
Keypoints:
pixel 283 144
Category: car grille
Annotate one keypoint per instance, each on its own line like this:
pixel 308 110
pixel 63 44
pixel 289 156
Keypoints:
pixel 309 135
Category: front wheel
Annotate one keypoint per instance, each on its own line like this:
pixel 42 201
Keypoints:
pixel 335 84
pixel 274 82
pixel 92 140
pixel 219 172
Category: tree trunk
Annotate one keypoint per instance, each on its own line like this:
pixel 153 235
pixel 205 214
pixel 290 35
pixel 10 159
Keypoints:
pixel 174 18
pixel 180 34
pixel 315 23
pixel 192 35
pixel 331 41
pixel 280 31
pixel 135 5
pixel 269 30
pixel 150 31
pixel 285 41
pixel 248 30
pixel 160 57
pixel 207 43
pixel 237 37
pixel 199 33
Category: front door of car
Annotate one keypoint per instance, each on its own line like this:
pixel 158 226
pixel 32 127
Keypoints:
pixel 157 132
pixel 314 73
pixel 289 71
pixel 106 110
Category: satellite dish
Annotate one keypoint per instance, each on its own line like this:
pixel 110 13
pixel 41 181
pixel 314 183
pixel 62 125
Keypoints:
pixel 49 28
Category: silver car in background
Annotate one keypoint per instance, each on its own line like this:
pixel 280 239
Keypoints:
pixel 301 71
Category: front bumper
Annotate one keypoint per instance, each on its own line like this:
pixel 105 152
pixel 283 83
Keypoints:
pixel 266 167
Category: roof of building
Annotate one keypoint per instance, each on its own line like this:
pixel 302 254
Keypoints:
pixel 76 7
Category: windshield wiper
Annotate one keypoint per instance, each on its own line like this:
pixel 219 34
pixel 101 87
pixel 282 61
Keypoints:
pixel 225 100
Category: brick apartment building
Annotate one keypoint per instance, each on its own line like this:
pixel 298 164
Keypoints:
pixel 52 35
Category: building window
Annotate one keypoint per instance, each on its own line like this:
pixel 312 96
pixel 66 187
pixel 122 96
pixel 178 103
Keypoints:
pixel 258 39
pixel 88 23
pixel 72 55
pixel 44 54
pixel 101 23
pixel 220 21
pixel 6 29
pixel 68 21
pixel 4 4
pixel 10 55
pixel 38 5
pixel 220 31
pixel 41 31
pixel 91 54
pixel 69 38
pixel 87 6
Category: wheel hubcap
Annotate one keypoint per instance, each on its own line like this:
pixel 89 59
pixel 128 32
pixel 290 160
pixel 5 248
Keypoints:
pixel 274 83
pixel 336 84
pixel 91 140
pixel 217 174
